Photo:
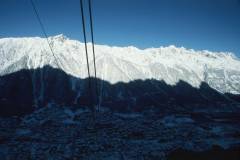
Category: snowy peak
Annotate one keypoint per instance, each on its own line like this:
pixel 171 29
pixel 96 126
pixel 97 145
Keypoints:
pixel 123 64
pixel 60 38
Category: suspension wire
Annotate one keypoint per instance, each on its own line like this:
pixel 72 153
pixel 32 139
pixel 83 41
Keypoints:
pixel 86 51
pixel 93 50
pixel 44 31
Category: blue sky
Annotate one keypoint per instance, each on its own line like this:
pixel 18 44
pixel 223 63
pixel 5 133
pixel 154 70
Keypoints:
pixel 198 24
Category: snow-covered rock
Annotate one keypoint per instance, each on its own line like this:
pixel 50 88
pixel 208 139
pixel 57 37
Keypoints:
pixel 123 64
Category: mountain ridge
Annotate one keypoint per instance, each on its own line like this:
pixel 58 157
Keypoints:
pixel 124 64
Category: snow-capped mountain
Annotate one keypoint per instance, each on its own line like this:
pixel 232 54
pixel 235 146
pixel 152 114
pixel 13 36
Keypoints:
pixel 124 64
pixel 172 90
pixel 128 77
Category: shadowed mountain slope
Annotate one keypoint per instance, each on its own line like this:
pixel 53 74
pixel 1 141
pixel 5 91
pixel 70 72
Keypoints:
pixel 25 90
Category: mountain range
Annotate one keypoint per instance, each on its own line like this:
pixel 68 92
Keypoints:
pixel 127 77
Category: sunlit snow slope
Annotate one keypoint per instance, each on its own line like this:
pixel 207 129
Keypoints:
pixel 124 64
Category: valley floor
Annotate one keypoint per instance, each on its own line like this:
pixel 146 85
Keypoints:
pixel 68 133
